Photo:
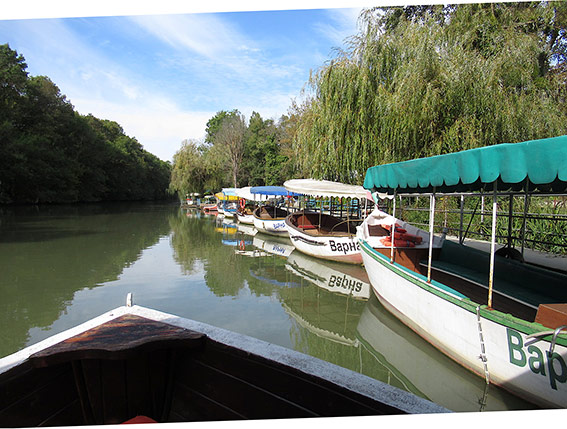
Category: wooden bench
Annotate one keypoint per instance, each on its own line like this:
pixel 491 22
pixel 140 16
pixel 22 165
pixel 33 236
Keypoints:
pixel 526 284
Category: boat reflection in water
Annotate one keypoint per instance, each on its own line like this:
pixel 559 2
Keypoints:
pixel 416 366
pixel 333 276
pixel 280 246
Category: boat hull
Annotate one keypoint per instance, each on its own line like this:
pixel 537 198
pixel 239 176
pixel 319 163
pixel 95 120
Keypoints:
pixel 245 218
pixel 319 243
pixel 453 324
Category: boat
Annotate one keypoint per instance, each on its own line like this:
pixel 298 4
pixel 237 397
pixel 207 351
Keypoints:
pixel 331 235
pixel 209 204
pixel 501 318
pixel 191 201
pixel 135 364
pixel 269 218
pixel 229 201
pixel 247 204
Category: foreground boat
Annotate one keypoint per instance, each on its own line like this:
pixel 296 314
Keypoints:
pixel 503 319
pixel 134 361
pixel 327 235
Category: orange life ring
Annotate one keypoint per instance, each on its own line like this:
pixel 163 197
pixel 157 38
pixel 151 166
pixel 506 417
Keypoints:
pixel 241 245
pixel 242 203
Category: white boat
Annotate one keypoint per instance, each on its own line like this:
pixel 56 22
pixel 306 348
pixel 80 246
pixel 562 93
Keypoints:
pixel 138 365
pixel 270 218
pixel 330 235
pixel 247 204
pixel 337 278
pixel 503 319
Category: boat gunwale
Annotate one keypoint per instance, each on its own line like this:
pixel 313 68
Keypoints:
pixel 310 366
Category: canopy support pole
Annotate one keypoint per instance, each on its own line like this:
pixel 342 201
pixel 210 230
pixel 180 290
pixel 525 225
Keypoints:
pixel 524 220
pixel 510 218
pixel 393 227
pixel 492 245
pixel 461 235
pixel 431 225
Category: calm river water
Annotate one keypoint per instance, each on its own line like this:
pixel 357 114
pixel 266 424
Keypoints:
pixel 60 266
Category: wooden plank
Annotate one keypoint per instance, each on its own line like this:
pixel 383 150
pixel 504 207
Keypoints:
pixel 23 379
pixel 190 406
pixel 118 339
pixel 41 403
pixel 319 397
pixel 71 415
pixel 239 396
pixel 91 373
pixel 552 315
pixel 115 399
pixel 138 387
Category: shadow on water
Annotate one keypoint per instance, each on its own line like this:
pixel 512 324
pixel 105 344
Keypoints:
pixel 48 254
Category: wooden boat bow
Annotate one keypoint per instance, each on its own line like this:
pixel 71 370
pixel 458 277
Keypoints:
pixel 120 338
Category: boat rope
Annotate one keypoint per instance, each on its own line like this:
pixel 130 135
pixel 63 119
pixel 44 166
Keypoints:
pixel 482 355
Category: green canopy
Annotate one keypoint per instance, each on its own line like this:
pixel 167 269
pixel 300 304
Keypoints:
pixel 542 162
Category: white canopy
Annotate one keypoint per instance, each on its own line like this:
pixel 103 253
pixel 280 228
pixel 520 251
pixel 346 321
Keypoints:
pixel 326 188
pixel 247 195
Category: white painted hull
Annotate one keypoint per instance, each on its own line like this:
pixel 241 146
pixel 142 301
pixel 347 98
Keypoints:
pixel 271 226
pixel 247 219
pixel 333 248
pixel 450 323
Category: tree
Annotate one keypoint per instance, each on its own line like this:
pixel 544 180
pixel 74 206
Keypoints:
pixel 188 173
pixel 229 138
pixel 429 80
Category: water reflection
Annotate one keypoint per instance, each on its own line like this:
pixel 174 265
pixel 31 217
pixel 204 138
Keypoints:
pixel 47 254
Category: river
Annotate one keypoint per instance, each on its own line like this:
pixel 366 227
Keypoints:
pixel 62 265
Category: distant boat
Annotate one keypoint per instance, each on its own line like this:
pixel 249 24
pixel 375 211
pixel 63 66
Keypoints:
pixel 226 202
pixel 270 218
pixel 209 204
pixel 137 365
pixel 328 235
pixel 504 319
pixel 247 204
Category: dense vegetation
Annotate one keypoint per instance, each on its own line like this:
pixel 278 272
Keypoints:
pixel 415 81
pixel 50 153
pixel 426 80
pixel 234 153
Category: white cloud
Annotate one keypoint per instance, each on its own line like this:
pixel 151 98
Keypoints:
pixel 158 124
pixel 341 25
pixel 206 35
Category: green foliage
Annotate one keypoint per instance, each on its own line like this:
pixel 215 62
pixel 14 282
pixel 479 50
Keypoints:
pixel 422 81
pixel 235 154
pixel 49 153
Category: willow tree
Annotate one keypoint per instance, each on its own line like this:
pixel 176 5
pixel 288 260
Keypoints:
pixel 424 81
pixel 188 173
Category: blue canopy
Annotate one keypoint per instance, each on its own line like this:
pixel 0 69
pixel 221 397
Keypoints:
pixel 272 190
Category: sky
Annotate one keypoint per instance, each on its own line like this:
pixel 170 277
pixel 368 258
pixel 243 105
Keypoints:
pixel 162 73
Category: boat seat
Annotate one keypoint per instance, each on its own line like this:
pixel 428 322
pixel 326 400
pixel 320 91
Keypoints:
pixel 478 278
pixel 519 281
pixel 304 227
